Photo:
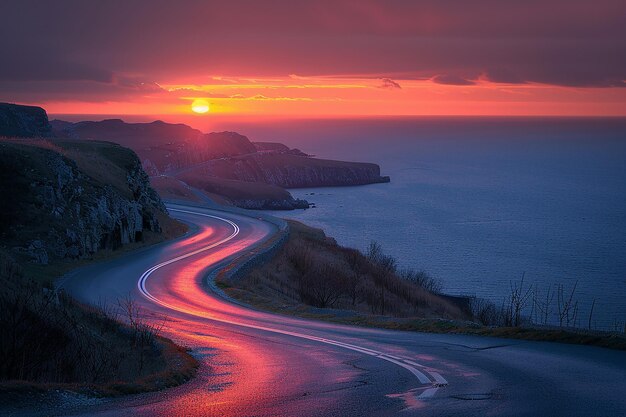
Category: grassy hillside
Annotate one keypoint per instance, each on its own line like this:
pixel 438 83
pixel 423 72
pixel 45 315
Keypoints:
pixel 291 170
pixel 68 203
pixel 161 146
pixel 170 188
pixel 50 341
pixel 312 270
pixel 244 194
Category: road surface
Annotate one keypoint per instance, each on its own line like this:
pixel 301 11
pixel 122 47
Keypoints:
pixel 259 364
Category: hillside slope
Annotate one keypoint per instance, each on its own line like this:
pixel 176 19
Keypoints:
pixel 71 199
pixel 161 146
pixel 65 202
pixel 312 274
pixel 291 171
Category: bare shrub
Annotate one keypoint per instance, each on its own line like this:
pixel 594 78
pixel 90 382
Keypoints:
pixel 517 302
pixel 386 263
pixel 144 332
pixel 322 286
pixel 423 279
pixel 316 271
pixel 485 312
pixel 47 337
pixel 567 307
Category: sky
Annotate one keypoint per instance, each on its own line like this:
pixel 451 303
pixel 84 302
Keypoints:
pixel 315 58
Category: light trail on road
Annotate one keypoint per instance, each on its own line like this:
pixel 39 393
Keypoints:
pixel 255 363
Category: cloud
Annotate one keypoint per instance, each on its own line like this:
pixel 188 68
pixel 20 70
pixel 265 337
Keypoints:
pixel 263 97
pixel 388 83
pixel 450 79
pixel 502 75
pixel 33 66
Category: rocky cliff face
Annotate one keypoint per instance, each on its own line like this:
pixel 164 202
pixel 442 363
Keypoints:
pixel 23 121
pixel 276 147
pixel 293 171
pixel 272 204
pixel 56 211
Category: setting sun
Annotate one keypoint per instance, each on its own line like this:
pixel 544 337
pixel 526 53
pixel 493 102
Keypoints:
pixel 200 106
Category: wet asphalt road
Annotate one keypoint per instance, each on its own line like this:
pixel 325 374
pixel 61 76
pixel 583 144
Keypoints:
pixel 260 364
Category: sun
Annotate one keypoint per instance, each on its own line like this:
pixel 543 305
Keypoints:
pixel 200 106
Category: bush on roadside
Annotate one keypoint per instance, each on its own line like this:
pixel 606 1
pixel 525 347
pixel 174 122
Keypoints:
pixel 48 338
pixel 312 269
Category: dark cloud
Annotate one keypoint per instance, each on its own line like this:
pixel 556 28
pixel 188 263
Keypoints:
pixel 35 64
pixel 450 79
pixel 390 84
pixel 89 91
pixel 98 45
pixel 503 75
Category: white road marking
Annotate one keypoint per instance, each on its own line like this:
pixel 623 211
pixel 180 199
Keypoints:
pixel 429 393
pixel 438 378
pixel 404 363
pixel 141 284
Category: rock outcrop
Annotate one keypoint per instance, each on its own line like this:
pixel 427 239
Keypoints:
pixel 276 147
pixel 271 204
pixel 57 211
pixel 23 121
pixel 292 171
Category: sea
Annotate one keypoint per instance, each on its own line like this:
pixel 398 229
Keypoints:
pixel 481 203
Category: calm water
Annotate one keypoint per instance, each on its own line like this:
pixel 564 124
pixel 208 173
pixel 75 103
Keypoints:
pixel 479 202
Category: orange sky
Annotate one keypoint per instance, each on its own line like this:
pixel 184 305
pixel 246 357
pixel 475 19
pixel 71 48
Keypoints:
pixel 346 96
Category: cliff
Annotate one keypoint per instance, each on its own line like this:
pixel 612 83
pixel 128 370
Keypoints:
pixel 275 147
pixel 176 149
pixel 293 171
pixel 23 121
pixel 248 195
pixel 63 201
pixel 161 146
pixel 68 200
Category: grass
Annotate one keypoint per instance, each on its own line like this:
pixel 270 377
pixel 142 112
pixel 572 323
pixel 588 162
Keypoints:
pixel 172 189
pixel 241 193
pixel 274 287
pixel 235 190
pixel 52 342
pixel 311 269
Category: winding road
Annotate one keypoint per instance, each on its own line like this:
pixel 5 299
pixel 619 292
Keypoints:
pixel 260 364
